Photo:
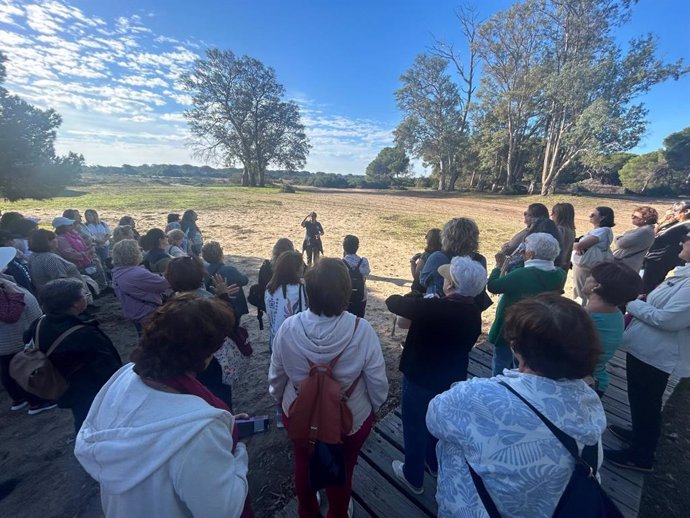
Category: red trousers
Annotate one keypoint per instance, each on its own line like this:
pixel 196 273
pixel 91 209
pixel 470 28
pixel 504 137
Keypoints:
pixel 339 496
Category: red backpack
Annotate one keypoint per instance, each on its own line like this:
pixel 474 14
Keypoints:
pixel 320 411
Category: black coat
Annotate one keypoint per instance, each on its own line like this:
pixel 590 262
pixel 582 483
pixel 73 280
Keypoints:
pixel 662 256
pixel 86 358
pixel 441 336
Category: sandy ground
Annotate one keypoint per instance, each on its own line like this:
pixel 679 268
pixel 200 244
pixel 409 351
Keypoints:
pixel 38 473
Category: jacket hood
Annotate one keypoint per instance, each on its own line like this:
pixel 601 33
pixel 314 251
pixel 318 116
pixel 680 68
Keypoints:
pixel 569 404
pixel 132 430
pixel 320 334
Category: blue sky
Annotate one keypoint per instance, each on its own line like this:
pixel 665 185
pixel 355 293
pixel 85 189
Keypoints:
pixel 109 67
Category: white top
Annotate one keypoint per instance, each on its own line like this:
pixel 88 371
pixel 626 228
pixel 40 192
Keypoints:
pixel 524 467
pixel 659 335
pixel 320 339
pixel 605 236
pixel 279 306
pixel 353 260
pixel 160 454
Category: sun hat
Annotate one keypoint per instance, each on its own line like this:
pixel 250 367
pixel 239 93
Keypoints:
pixel 61 221
pixel 7 253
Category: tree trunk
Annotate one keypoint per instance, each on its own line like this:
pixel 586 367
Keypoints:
pixel 245 177
pixel 262 175
pixel 441 177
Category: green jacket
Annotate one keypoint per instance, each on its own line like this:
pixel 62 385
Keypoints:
pixel 516 285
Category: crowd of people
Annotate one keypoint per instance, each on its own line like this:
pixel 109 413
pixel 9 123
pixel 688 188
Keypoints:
pixel 164 423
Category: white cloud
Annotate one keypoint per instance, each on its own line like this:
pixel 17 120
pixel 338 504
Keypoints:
pixel 115 83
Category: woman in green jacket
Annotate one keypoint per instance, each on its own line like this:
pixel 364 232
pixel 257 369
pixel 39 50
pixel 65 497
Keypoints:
pixel 539 275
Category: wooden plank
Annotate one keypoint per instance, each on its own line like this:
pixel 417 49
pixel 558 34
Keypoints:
pixel 380 453
pixel 377 495
pixel 290 510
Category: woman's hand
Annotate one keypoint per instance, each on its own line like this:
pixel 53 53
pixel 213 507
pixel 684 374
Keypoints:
pixel 222 288
pixel 500 259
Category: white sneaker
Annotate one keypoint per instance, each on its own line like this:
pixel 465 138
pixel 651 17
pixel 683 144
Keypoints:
pixel 398 471
pixel 350 508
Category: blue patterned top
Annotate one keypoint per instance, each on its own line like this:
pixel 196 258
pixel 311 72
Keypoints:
pixel 523 466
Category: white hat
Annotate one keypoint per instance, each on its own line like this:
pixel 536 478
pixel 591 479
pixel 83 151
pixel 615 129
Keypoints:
pixel 7 253
pixel 62 221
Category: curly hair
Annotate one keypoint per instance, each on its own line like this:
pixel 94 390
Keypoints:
pixel 212 252
pixel 534 328
pixel 181 335
pixel 122 232
pixel 126 253
pixel 185 273
pixel 649 214
pixel 460 236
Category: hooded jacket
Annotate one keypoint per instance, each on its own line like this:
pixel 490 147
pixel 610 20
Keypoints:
pixel 524 467
pixel 159 454
pixel 308 336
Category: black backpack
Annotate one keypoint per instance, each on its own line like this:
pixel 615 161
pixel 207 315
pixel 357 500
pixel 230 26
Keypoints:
pixel 357 280
pixel 257 291
pixel 583 496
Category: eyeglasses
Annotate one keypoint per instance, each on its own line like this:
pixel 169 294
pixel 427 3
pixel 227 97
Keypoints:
pixel 635 216
pixel 593 215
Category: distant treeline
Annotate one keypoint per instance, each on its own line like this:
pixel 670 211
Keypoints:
pixel 234 175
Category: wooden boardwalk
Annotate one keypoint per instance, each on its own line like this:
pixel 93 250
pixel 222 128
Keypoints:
pixel 378 493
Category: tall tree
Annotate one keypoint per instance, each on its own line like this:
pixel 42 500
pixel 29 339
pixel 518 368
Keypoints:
pixel 389 164
pixel 29 166
pixel 592 83
pixel 433 125
pixel 238 115
pixel 510 45
pixel 677 150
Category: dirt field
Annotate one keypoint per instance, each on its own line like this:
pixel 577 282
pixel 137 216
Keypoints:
pixel 38 473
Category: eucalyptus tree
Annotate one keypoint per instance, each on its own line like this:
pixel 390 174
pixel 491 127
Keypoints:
pixel 433 127
pixel 238 115
pixel 510 46
pixel 590 90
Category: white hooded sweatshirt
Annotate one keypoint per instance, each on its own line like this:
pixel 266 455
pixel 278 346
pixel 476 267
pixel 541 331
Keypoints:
pixel 307 335
pixel 158 454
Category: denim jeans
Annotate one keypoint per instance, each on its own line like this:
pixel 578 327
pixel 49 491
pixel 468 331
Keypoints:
pixel 503 359
pixel 420 445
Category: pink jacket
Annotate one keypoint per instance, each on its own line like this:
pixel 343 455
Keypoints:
pixel 138 290
pixel 72 247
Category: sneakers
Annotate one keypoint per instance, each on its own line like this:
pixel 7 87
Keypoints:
pixel 18 405
pixel 350 508
pixel 37 409
pixel 398 471
pixel 624 434
pixel 433 473
pixel 624 459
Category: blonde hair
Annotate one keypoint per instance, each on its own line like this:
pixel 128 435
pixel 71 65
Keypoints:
pixel 460 236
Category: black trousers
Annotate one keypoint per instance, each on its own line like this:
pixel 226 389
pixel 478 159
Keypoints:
pixel 646 385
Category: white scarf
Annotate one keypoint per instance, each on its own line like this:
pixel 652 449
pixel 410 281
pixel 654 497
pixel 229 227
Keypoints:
pixel 540 264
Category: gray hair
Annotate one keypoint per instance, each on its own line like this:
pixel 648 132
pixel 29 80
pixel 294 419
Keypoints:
pixel 126 253
pixel 544 246
pixel 469 276
pixel 58 296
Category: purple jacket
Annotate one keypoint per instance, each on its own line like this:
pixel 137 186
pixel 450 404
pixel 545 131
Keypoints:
pixel 138 290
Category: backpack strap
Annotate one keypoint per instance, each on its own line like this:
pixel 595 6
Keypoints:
pixel 566 440
pixel 62 337
pixel 484 495
pixel 360 262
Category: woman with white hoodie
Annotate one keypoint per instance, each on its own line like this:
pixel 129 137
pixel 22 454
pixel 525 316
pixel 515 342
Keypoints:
pixel 319 335
pixel 158 442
